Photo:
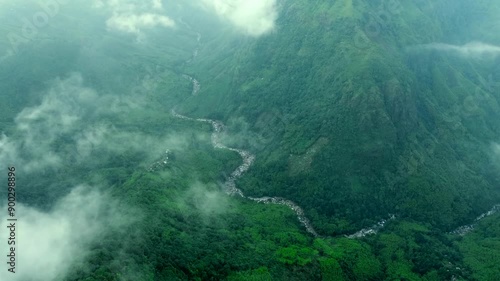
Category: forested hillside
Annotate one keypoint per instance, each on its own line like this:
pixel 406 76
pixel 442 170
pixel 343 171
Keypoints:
pixel 252 140
pixel 396 127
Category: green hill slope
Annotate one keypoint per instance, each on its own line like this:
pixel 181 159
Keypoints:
pixel 353 118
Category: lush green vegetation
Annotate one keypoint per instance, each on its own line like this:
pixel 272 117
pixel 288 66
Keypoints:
pixel 346 115
pixel 399 129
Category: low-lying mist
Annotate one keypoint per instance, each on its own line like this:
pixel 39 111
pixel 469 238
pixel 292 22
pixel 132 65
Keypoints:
pixel 49 243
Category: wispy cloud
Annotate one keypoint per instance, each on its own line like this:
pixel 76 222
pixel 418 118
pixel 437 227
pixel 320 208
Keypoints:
pixel 134 17
pixel 157 4
pixel 496 149
pixel 472 49
pixel 67 108
pixel 495 155
pixel 49 243
pixel 8 150
pixel 69 126
pixel 136 23
pixel 253 17
pixel 208 200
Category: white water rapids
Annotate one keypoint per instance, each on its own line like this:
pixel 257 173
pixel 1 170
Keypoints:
pixel 463 230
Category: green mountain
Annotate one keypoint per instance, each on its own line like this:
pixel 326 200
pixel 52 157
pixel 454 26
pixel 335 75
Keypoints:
pixel 363 120
pixel 370 129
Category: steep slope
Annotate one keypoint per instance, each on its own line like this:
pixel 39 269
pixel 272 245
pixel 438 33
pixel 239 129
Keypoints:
pixel 354 109
pixel 354 117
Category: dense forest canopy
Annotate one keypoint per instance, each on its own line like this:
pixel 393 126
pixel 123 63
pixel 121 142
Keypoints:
pixel 251 140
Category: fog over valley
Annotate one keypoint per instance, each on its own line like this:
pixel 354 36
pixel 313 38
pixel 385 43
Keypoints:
pixel 249 140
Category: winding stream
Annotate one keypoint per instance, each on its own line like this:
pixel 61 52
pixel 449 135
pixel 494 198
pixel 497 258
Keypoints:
pixel 463 230
pixel 248 159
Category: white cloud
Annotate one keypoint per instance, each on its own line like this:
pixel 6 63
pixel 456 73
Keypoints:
pixel 134 16
pixel 68 111
pixel 253 17
pixel 72 125
pixel 208 200
pixel 61 111
pixel 49 243
pixel 496 149
pixel 8 150
pixel 102 140
pixel 157 4
pixel 88 140
pixel 136 23
pixel 115 5
pixel 472 49
pixel 495 155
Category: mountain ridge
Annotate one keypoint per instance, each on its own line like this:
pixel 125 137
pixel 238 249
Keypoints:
pixel 374 101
